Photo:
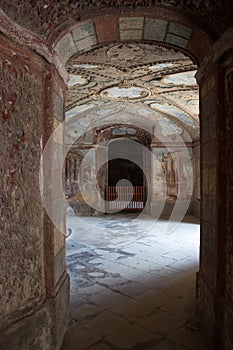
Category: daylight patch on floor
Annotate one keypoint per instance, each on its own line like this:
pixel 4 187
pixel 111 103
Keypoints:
pixel 133 287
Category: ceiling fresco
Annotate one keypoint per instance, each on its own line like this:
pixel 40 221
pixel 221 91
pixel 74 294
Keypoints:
pixel 161 79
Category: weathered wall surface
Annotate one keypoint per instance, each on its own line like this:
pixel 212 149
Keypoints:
pixel 21 114
pixel 43 17
pixel 208 253
pixel 197 179
pixel 215 281
pixel 228 193
pixel 33 308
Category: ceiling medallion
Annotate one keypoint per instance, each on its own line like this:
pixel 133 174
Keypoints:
pixel 125 53
pixel 77 80
pixel 125 92
pixel 181 79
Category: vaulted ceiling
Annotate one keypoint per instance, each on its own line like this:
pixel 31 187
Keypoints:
pixel 157 81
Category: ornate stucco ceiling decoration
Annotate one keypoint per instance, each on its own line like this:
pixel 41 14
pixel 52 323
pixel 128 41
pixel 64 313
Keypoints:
pixel 158 77
pixel 78 80
pixel 181 79
pixel 127 54
pixel 123 92
pixel 131 55
pixel 43 16
pixel 124 115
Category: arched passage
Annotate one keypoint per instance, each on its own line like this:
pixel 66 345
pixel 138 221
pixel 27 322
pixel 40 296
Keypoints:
pixel 125 164
pixel 210 270
pixel 181 33
pixel 119 169
pixel 215 79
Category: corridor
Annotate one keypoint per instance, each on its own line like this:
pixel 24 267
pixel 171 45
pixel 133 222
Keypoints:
pixel 132 284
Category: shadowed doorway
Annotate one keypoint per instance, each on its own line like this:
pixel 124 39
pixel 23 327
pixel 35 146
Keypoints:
pixel 126 180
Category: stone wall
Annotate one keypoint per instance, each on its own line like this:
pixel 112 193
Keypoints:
pixel 215 279
pixel 227 189
pixel 208 253
pixel 197 179
pixel 33 316
pixel 21 209
pixel 42 17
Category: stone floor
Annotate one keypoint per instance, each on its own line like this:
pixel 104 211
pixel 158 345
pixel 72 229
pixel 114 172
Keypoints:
pixel 132 284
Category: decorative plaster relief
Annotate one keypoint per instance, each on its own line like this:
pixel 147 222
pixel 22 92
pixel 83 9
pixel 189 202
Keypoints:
pixel 160 66
pixel 181 79
pixel 125 52
pixel 169 127
pixel 85 66
pixel 77 109
pixel 168 109
pixel 124 131
pixel 78 80
pixel 187 100
pixel 148 73
pixel 125 93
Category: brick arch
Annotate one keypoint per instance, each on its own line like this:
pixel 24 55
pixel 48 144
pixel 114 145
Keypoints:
pixel 167 29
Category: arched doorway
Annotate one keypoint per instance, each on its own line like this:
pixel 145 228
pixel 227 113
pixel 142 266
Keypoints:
pixel 122 164
pixel 215 286
pixel 152 116
pixel 125 175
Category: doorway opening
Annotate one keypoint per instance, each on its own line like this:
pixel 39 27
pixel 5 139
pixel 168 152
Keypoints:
pixel 128 276
pixel 126 186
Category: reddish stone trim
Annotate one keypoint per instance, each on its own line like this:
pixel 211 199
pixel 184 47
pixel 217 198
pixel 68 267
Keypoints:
pixel 180 33
pixel 29 40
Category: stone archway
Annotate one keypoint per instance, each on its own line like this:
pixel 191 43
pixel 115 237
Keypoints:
pixel 210 289
pixel 215 79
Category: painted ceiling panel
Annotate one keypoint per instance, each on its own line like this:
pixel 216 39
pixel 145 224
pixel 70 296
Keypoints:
pixel 158 77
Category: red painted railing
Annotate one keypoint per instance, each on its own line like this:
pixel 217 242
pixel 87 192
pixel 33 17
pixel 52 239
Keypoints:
pixel 128 198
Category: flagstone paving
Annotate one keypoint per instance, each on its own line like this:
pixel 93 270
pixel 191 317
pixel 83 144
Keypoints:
pixel 132 284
